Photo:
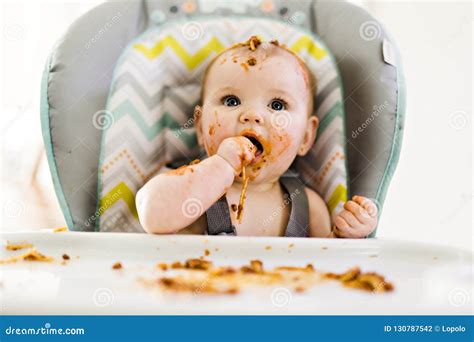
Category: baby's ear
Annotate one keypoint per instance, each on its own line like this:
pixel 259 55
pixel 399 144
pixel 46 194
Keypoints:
pixel 197 123
pixel 309 135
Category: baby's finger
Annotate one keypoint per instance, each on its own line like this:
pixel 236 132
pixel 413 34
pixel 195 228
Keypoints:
pixel 367 204
pixel 341 223
pixel 342 228
pixel 350 219
pixel 249 150
pixel 358 211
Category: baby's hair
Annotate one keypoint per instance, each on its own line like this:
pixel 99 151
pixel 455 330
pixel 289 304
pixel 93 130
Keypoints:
pixel 254 43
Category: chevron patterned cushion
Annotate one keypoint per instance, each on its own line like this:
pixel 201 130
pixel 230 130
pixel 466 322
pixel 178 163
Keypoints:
pixel 156 83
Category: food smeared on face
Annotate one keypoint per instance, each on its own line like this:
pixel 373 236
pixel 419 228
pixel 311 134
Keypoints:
pixel 239 98
pixel 252 61
pixel 253 43
pixel 244 66
pixel 211 129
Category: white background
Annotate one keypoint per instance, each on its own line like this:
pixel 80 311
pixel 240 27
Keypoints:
pixel 430 197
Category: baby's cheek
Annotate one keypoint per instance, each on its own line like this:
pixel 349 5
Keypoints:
pixel 214 133
pixel 282 144
pixel 212 141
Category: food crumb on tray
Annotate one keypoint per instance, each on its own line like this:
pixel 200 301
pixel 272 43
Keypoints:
pixel 117 266
pixel 201 277
pixel 31 255
pixel 365 281
pixel 16 246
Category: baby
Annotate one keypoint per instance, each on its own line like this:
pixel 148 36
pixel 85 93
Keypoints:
pixel 242 188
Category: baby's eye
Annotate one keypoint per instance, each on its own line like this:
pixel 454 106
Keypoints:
pixel 277 104
pixel 231 101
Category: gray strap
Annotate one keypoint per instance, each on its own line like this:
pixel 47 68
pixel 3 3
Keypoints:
pixel 298 224
pixel 218 219
pixel 220 223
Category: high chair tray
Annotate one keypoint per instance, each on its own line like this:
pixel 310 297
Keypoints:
pixel 427 279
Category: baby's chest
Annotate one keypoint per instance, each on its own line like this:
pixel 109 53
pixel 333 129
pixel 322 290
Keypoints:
pixel 263 214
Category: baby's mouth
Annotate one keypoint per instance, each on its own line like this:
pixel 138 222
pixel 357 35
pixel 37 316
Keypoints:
pixel 257 141
pixel 257 145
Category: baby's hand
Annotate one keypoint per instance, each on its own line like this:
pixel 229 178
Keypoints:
pixel 237 151
pixel 357 220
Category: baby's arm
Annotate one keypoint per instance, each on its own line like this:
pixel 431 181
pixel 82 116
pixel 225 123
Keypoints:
pixel 172 201
pixel 319 220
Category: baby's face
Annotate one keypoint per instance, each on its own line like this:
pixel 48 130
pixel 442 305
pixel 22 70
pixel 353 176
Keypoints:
pixel 264 95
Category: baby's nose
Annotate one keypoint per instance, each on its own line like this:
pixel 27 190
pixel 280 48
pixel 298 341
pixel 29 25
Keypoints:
pixel 251 117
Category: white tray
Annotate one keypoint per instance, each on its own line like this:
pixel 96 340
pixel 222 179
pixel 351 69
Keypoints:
pixel 428 279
